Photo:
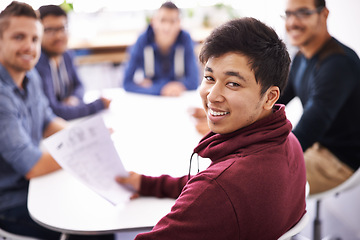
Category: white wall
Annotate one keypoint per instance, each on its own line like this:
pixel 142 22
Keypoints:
pixel 343 22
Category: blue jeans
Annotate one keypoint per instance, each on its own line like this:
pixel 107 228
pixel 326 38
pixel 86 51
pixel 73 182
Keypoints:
pixel 18 221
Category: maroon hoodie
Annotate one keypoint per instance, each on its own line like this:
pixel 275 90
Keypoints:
pixel 253 189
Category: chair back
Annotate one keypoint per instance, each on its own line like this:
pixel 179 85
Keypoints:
pixel 299 226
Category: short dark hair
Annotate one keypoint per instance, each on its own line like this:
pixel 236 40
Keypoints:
pixel 54 10
pixel 169 5
pixel 267 54
pixel 319 3
pixel 15 9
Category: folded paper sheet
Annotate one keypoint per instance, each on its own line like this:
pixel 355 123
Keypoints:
pixel 87 152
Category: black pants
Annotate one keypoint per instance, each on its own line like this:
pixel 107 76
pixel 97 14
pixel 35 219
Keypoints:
pixel 18 221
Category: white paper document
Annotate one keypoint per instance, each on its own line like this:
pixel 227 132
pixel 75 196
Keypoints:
pixel 87 152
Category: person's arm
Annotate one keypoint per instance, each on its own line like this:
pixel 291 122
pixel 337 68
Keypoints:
pixel 153 89
pixel 82 110
pixel 16 145
pixel 60 109
pixel 163 186
pixel 57 124
pixel 202 211
pixel 46 162
pixel 172 89
pixel 335 81
pixel 200 197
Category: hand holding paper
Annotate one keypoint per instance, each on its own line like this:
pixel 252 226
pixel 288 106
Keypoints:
pixel 87 152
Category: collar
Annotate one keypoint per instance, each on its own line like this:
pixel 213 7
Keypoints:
pixel 6 79
pixel 270 130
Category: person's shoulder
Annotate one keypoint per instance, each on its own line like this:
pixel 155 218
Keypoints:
pixel 223 168
pixel 337 57
pixel 347 50
pixel 298 55
pixel 185 32
pixel 34 77
pixel 294 143
pixel 142 40
pixel 351 56
pixel 147 35
pixel 69 55
pixel 43 60
pixel 184 35
pixel 335 50
pixel 218 173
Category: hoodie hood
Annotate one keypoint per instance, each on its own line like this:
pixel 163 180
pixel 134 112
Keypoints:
pixel 269 131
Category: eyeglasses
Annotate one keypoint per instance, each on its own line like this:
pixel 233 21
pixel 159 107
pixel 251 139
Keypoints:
pixel 301 13
pixel 54 30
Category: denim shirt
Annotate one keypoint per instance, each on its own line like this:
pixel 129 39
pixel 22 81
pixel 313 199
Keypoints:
pixel 24 114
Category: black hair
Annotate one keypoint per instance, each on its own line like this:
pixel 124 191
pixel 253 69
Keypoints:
pixel 54 10
pixel 319 3
pixel 169 5
pixel 267 54
pixel 15 9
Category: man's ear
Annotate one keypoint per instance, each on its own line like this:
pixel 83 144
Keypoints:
pixel 325 11
pixel 271 96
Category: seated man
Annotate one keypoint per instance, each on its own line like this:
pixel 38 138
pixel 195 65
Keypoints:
pixel 25 118
pixel 325 75
pixel 255 185
pixel 162 61
pixel 61 82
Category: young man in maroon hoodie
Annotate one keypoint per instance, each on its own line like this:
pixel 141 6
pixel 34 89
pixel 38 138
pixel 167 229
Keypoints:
pixel 255 185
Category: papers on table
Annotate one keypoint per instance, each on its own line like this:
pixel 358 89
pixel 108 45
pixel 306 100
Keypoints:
pixel 87 152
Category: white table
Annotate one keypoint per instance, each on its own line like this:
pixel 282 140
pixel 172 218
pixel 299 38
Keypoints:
pixel 153 136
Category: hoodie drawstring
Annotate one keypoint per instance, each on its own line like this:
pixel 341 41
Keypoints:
pixel 198 165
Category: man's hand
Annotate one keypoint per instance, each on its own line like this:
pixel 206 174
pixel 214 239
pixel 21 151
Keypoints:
pixel 71 101
pixel 146 83
pixel 133 180
pixel 106 102
pixel 201 123
pixel 173 89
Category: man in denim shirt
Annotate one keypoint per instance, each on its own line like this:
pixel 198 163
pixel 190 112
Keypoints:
pixel 25 118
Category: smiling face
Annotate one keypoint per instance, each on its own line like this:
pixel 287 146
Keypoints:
pixel 304 31
pixel 20 44
pixel 231 96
